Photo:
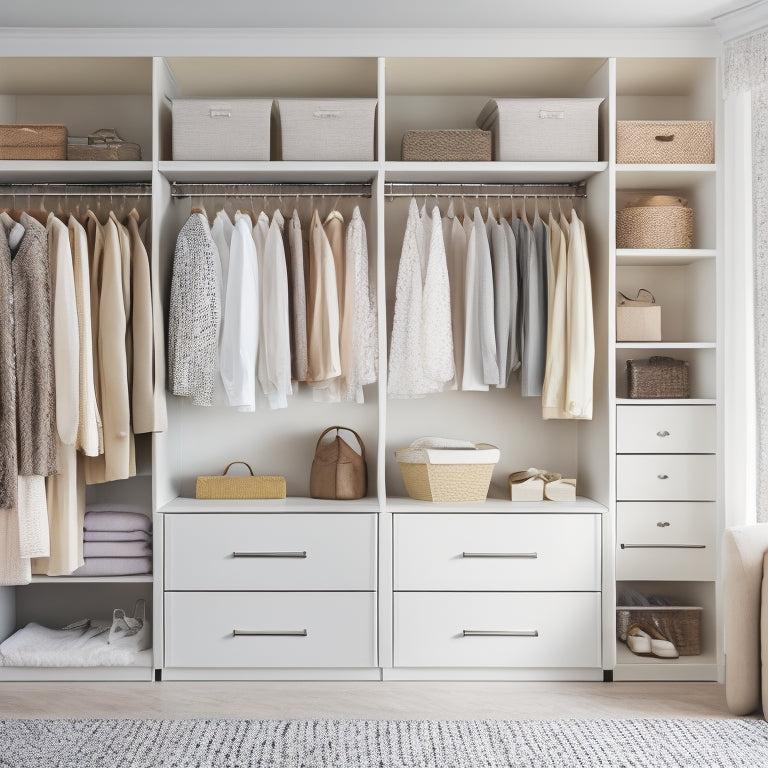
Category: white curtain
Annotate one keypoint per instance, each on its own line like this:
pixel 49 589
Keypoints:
pixel 746 72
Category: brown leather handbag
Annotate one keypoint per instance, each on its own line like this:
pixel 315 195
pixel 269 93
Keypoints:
pixel 338 470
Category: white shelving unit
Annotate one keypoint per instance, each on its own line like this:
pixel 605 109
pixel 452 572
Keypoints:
pixel 442 90
pixel 685 285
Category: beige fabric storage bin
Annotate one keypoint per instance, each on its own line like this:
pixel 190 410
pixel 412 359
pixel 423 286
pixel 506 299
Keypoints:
pixel 33 142
pixel 638 319
pixel 325 129
pixel 221 129
pixel 450 146
pixel 671 141
pixel 542 129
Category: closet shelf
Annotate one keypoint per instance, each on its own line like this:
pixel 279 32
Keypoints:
pixel 103 172
pixel 496 506
pixel 294 504
pixel 666 345
pixel 631 257
pixel 267 171
pixel 140 670
pixel 144 578
pixel 660 177
pixel 630 666
pixel 665 401
pixel 493 172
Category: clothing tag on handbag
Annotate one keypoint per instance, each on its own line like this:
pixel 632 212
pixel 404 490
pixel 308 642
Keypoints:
pixel 323 113
pixel 551 114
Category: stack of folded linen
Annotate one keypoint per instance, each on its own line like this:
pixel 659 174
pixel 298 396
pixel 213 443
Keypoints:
pixel 117 541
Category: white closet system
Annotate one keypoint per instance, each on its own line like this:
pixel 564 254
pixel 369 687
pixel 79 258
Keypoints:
pixel 381 592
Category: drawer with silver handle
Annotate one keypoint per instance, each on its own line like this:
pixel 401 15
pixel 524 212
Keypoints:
pixel 270 552
pixel 270 629
pixel 666 429
pixel 666 540
pixel 448 629
pixel 497 552
pixel 645 477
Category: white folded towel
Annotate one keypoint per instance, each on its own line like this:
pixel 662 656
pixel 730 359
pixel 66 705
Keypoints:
pixel 38 646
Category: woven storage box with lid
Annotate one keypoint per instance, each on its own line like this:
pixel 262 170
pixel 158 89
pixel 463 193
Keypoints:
pixel 250 486
pixel 327 129
pixel 221 129
pixel 658 377
pixel 542 129
pixel 656 221
pixel 638 319
pixel 672 141
pixel 33 142
pixel 679 624
pixel 435 473
pixel 447 146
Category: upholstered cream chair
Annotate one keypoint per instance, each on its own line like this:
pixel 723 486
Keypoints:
pixel 745 559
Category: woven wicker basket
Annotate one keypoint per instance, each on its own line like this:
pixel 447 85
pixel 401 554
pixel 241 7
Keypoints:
pixel 448 475
pixel 251 486
pixel 681 625
pixel 33 142
pixel 658 377
pixel 447 146
pixel 674 141
pixel 660 221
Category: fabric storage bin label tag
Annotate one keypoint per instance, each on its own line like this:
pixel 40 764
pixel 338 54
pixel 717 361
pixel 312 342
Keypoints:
pixel 551 114
pixel 219 112
pixel 325 113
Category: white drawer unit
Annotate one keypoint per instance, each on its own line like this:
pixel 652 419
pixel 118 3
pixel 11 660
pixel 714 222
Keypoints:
pixel 503 552
pixel 666 541
pixel 270 552
pixel 666 477
pixel 270 629
pixel 497 630
pixel 666 429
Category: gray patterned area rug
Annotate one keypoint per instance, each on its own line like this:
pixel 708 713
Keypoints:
pixel 382 743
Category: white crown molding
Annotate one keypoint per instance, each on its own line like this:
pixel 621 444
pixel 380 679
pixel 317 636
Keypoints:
pixel 599 42
pixel 743 21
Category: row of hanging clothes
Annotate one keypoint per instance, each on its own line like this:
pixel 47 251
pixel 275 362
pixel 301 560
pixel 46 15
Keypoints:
pixel 482 300
pixel 261 302
pixel 82 369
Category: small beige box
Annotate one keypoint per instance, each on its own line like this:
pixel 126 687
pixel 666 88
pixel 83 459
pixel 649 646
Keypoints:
pixel 638 319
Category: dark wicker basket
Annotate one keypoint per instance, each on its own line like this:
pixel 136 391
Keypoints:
pixel 680 625
pixel 658 377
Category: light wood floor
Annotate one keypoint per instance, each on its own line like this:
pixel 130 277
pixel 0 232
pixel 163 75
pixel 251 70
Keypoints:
pixel 371 700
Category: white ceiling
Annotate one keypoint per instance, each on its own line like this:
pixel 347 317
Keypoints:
pixel 365 13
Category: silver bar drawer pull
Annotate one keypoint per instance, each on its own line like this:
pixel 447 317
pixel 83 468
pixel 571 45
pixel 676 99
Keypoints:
pixel 510 555
pixel 500 633
pixel 269 633
pixel 663 546
pixel 300 555
pixel 662 433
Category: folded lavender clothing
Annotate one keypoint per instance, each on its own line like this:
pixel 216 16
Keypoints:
pixel 117 549
pixel 117 536
pixel 115 566
pixel 111 507
pixel 116 520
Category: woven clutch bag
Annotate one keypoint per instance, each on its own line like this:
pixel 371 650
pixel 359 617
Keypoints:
pixel 251 486
pixel 33 142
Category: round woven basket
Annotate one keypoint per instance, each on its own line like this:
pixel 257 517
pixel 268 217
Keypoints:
pixel 654 226
pixel 447 482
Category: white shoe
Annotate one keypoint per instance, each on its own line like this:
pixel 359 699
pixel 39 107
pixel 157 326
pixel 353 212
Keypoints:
pixel 658 645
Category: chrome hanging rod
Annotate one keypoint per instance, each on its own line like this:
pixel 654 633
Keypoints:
pixel 394 189
pixel 271 189
pixel 141 189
